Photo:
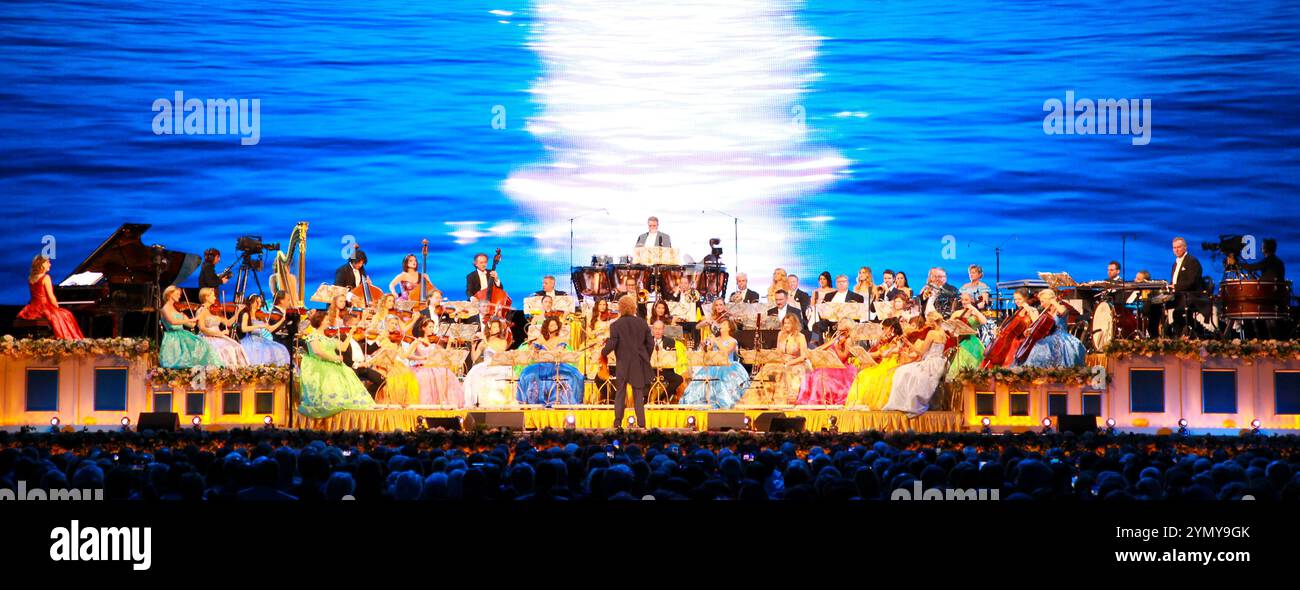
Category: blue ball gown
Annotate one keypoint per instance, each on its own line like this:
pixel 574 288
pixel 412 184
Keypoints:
pixel 728 384
pixel 1058 349
pixel 537 383
pixel 261 349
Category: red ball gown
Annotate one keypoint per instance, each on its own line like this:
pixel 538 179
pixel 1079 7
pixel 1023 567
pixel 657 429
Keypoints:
pixel 61 320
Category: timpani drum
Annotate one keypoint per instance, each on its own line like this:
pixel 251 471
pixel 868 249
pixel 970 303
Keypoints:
pixel 1254 300
pixel 643 274
pixel 712 281
pixel 669 275
pixel 1109 323
pixel 592 281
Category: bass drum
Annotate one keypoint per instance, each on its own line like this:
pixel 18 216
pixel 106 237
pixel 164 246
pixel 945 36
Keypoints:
pixel 1254 300
pixel 1109 323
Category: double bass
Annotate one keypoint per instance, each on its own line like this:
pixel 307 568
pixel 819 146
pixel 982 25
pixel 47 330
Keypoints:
pixel 366 291
pixel 493 300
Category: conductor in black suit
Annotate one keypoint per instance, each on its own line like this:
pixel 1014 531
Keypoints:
pixel 653 237
pixel 630 340
pixel 350 274
pixel 1188 287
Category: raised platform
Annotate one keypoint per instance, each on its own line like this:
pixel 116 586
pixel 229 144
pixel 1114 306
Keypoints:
pixel 387 420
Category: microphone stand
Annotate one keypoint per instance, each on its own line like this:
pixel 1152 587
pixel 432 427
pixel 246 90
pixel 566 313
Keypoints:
pixel 573 288
pixel 997 257
pixel 735 224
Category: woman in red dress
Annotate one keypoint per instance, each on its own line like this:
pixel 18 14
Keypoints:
pixel 43 304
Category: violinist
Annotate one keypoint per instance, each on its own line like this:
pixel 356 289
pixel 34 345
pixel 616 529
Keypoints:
pixel 353 272
pixel 180 348
pixel 256 326
pixel 284 334
pixel 659 313
pixel 214 326
pixel 595 331
pixel 357 355
pixel 488 384
pixel 830 385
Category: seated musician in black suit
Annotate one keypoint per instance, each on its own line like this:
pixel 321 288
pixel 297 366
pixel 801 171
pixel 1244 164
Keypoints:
pixel 743 294
pixel 548 288
pixel 781 308
pixel 672 381
pixel 841 294
pixel 356 356
pixel 350 274
pixel 800 296
pixel 937 294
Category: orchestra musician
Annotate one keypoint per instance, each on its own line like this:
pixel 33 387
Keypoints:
pixel 900 284
pixel 659 313
pixel 1270 267
pixel 477 279
pixel 840 294
pixel 45 305
pixel 1012 332
pixel 1188 292
pixel 782 308
pixel 356 355
pixel 793 291
pixel 937 295
pixel 866 284
pixel 653 237
pixel 887 285
pixel 408 281
pixel 673 382
pixel 977 288
pixel 352 272
pixel 778 282
pixel 548 288
pixel 1113 272
pixel 743 294
pixel 488 384
pixel 259 346
pixel 180 348
pixel 285 333
pixel 214 327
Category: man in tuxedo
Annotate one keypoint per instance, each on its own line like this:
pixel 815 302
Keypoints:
pixel 887 281
pixel 672 381
pixel 287 331
pixel 548 288
pixel 477 279
pixel 841 294
pixel 653 237
pixel 743 294
pixel 631 342
pixel 1188 287
pixel 352 272
pixel 781 308
pixel 1113 274
pixel 798 295
pixel 937 295
pixel 356 356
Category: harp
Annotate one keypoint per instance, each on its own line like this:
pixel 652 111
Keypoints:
pixel 282 275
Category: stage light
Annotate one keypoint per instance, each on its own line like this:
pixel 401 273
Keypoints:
pixel 690 422
pixel 570 421
pixel 267 421
pixel 631 421
pixel 54 421
pixel 1110 426
pixel 1047 425
pixel 1182 427
pixel 1255 425
pixel 749 424
pixel 197 421
pixel 126 421
pixel 986 423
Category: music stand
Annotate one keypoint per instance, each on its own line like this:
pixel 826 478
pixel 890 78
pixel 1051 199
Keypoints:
pixel 660 360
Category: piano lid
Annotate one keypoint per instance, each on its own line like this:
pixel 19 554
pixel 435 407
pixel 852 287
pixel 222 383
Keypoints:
pixel 124 258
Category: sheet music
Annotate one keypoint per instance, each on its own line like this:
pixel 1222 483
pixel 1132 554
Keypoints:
pixel 82 279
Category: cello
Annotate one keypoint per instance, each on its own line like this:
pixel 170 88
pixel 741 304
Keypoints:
pixel 1010 335
pixel 493 300
pixel 1041 328
pixel 366 291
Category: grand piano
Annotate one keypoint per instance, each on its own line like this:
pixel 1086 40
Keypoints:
pixel 116 281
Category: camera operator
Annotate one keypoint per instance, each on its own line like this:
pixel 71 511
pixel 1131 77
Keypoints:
pixel 1270 267
pixel 208 277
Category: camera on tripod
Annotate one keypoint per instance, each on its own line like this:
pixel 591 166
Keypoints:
pixel 1228 244
pixel 253 245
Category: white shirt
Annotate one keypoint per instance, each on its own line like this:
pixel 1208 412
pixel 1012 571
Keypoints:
pixel 780 313
pixel 356 275
pixel 1178 269
pixel 482 279
pixel 840 297
pixel 358 354
pixel 651 238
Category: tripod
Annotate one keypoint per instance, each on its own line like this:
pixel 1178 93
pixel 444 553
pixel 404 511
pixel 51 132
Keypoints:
pixel 249 264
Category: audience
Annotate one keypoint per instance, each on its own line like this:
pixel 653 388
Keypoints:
pixel 308 466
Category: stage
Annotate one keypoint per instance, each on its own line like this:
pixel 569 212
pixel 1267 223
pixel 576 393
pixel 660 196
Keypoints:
pixel 672 417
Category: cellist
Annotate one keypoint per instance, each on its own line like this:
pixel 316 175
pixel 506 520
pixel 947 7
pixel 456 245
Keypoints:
pixel 1012 332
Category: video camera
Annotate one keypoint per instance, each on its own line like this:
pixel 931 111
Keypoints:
pixel 253 245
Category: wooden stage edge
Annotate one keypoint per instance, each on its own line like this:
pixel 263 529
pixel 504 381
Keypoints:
pixel 664 418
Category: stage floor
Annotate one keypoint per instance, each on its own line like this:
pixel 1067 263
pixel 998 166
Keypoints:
pixel 662 417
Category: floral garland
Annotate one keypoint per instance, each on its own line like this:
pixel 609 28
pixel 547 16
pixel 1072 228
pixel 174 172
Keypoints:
pixel 1188 349
pixel 56 348
pixel 199 377
pixel 1029 375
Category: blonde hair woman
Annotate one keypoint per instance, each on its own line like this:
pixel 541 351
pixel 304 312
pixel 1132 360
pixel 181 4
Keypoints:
pixel 180 348
pixel 778 283
pixel 866 285
pixel 213 329
pixel 915 383
pixel 719 386
pixel 1059 348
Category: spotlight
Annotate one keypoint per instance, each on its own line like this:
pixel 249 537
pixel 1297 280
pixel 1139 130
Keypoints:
pixel 986 423
pixel 749 424
pixel 1047 425
pixel 1110 426
pixel 1182 427
pixel 631 421
pixel 1254 426
pixel 570 421
pixel 126 424
pixel 54 425
pixel 690 422
pixel 197 421
pixel 267 421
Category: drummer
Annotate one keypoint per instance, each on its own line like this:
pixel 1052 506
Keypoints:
pixel 1270 267
pixel 652 237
